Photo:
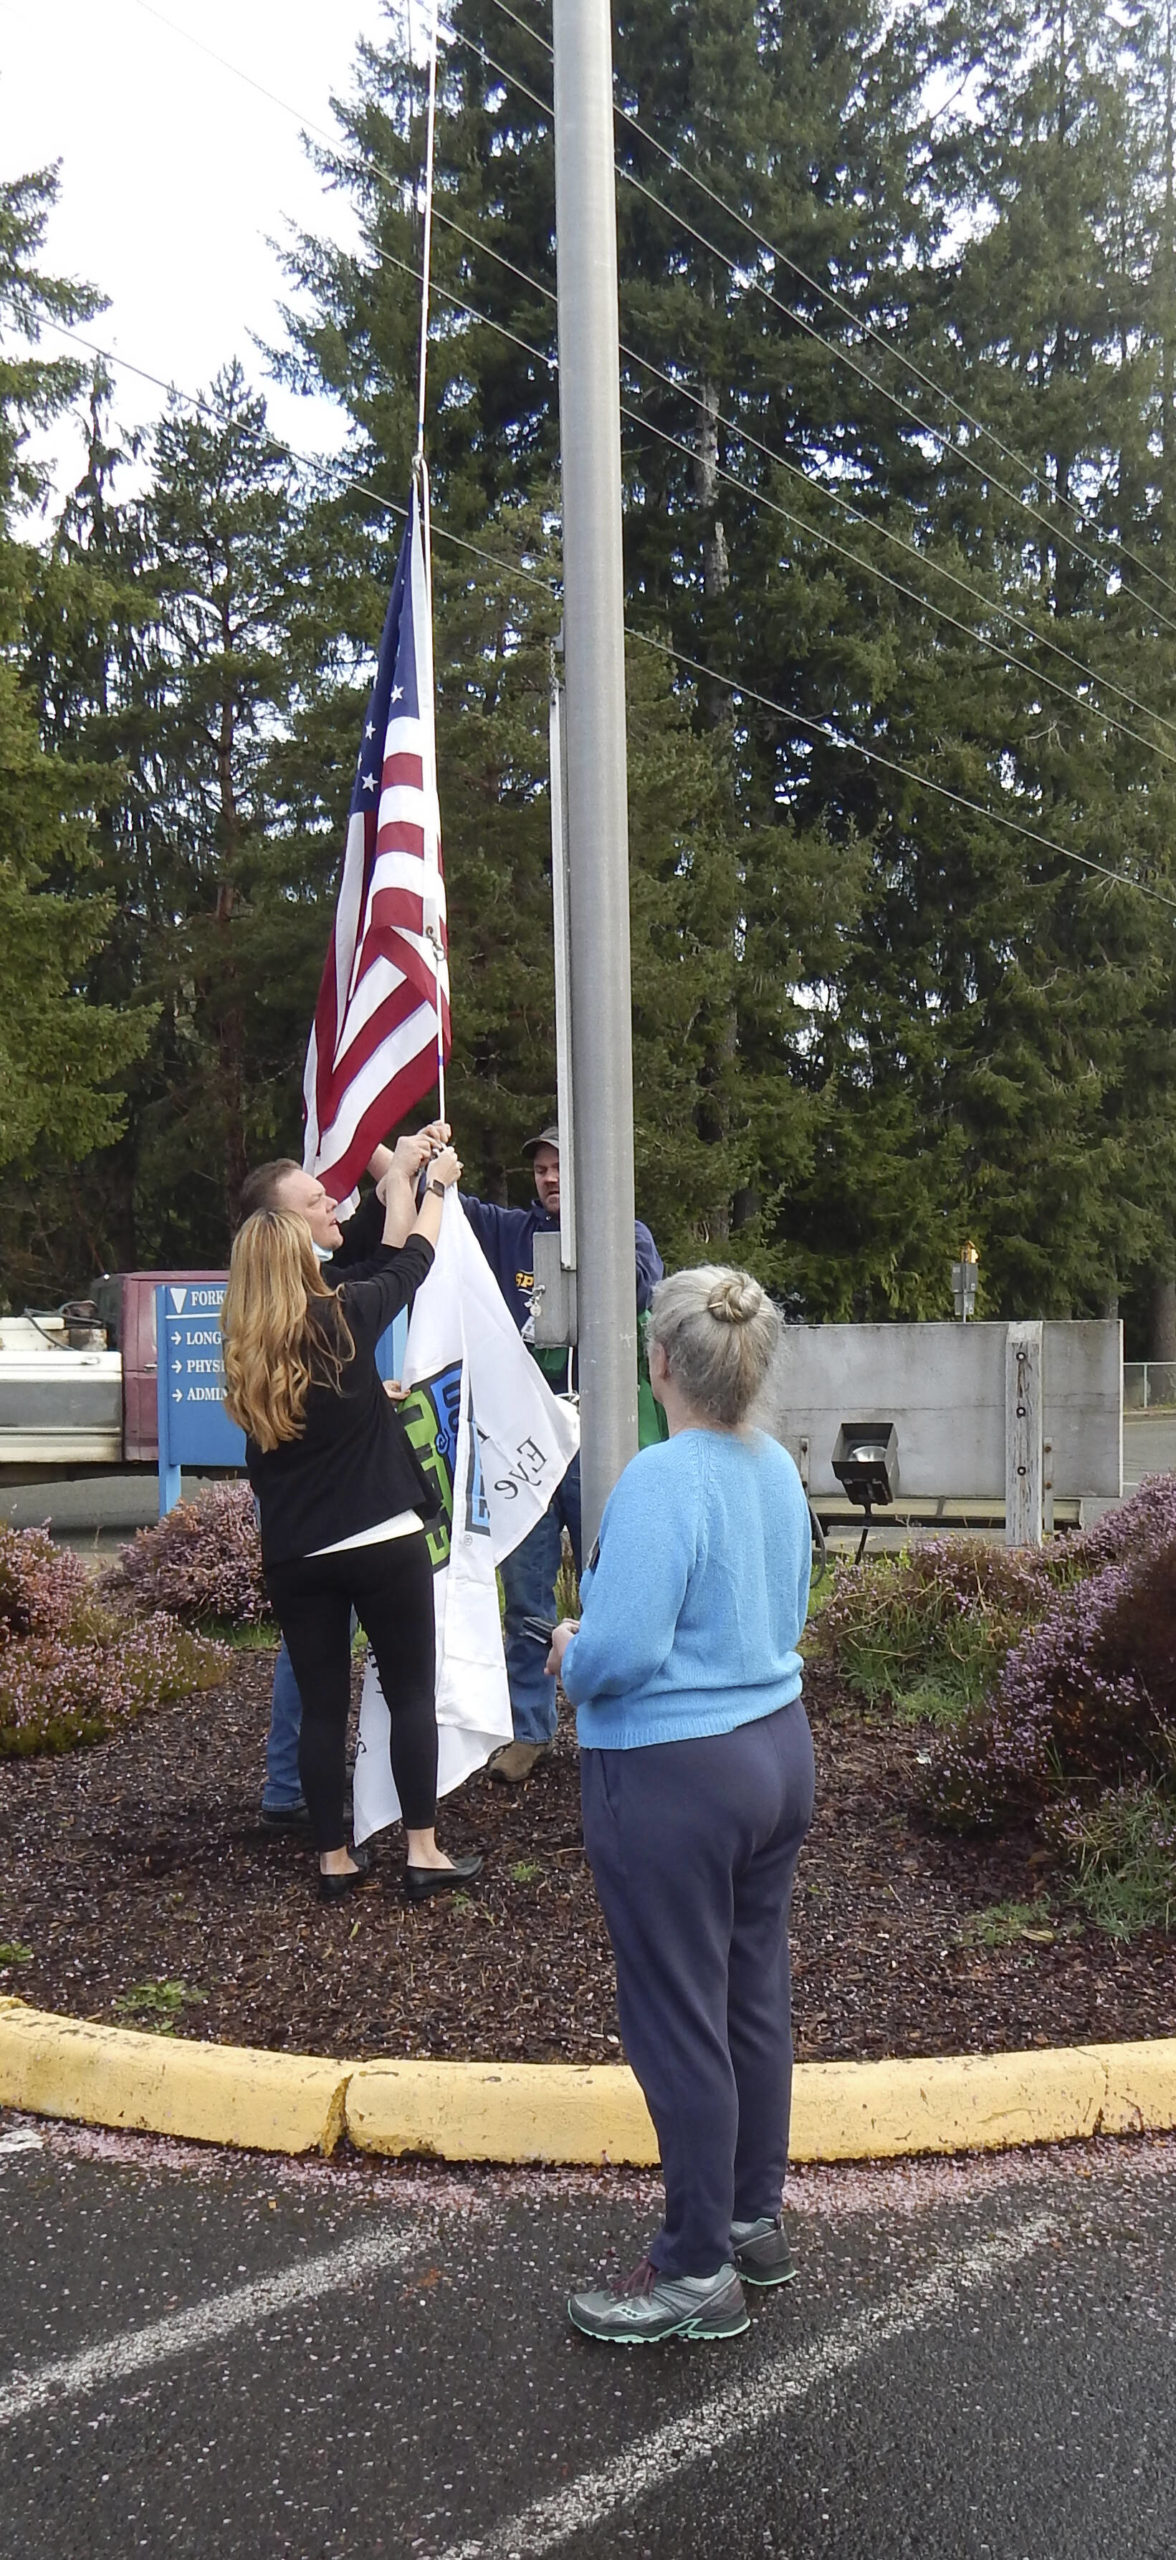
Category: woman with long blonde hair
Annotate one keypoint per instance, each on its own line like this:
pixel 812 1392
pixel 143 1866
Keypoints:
pixel 343 1501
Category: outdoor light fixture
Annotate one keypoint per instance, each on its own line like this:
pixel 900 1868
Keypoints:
pixel 963 1282
pixel 865 1462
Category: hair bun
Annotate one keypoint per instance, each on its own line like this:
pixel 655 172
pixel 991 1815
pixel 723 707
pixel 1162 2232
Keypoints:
pixel 735 1297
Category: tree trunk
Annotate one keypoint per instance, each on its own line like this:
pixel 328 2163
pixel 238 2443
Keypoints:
pixel 1161 1332
pixel 232 1021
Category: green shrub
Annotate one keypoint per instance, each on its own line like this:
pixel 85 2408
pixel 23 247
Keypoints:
pixel 927 1631
pixel 1121 1849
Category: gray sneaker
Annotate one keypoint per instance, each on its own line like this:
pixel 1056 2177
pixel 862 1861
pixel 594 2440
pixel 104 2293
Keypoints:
pixel 760 2251
pixel 646 2307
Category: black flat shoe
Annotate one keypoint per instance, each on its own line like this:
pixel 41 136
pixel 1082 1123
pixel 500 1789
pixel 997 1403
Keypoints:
pixel 420 1882
pixel 335 1888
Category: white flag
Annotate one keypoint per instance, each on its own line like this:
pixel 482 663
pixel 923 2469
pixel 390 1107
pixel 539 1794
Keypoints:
pixel 496 1443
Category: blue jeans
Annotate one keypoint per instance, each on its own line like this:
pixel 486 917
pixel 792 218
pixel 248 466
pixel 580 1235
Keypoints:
pixel 283 1785
pixel 528 1582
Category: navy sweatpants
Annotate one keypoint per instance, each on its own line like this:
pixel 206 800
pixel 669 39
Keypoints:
pixel 693 1846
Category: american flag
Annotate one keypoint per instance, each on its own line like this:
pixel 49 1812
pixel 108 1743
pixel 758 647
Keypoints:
pixel 373 1048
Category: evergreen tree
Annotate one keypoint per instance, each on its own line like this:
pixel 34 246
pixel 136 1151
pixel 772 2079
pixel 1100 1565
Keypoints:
pixel 789 868
pixel 62 1059
pixel 994 1008
pixel 193 646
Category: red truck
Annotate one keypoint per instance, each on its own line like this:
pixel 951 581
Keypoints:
pixel 78 1386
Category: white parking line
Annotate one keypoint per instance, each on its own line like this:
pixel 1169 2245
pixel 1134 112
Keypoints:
pixel 21 2138
pixel 205 2325
pixel 669 2452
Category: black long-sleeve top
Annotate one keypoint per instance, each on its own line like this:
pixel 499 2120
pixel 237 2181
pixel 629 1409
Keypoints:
pixel 352 1464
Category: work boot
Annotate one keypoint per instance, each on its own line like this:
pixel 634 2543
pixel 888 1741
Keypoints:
pixel 646 2307
pixel 760 2251
pixel 516 1761
pixel 286 1817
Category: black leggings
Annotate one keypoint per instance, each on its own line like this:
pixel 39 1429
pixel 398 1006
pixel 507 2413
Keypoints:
pixel 390 1588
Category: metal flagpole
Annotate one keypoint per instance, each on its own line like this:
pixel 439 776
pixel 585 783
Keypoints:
pixel 565 1105
pixel 431 910
pixel 597 813
pixel 432 917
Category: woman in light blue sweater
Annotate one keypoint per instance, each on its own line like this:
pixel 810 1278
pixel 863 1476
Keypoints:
pixel 697 1777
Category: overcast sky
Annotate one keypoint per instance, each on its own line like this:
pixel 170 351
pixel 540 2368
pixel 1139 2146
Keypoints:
pixel 175 174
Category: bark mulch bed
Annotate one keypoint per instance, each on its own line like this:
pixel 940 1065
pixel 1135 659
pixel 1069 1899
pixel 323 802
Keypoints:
pixel 142 1861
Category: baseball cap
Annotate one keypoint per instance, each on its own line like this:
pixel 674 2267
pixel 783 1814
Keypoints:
pixel 546 1138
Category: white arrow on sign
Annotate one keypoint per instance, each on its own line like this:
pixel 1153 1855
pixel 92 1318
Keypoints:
pixel 177 1395
pixel 177 1368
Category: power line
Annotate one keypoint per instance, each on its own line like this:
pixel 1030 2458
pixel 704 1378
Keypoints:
pixel 372 168
pixel 729 684
pixel 846 310
pixel 817 533
pixel 988 604
pixel 1008 656
pixel 302 461
pixel 540 355
pixel 891 764
pixel 840 355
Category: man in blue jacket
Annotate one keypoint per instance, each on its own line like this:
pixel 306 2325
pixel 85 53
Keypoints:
pixel 507 1238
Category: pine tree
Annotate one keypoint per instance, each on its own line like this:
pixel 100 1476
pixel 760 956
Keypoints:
pixel 789 868
pixel 995 1004
pixel 194 645
pixel 62 1059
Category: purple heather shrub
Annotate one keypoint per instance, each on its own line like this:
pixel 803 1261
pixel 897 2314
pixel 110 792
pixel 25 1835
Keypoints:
pixel 59 1691
pixel 41 1586
pixel 1147 1521
pixel 202 1562
pixel 1088 1695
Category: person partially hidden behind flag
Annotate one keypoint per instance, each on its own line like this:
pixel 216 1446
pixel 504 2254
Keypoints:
pixel 345 1250
pixel 343 1502
pixel 507 1238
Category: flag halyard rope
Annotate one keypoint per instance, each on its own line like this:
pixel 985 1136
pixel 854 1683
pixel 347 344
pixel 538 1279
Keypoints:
pixel 420 472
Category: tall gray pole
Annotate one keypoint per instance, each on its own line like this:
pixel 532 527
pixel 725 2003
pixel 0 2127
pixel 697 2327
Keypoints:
pixel 597 812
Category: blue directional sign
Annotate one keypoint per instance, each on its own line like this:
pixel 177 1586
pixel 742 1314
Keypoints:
pixel 194 1429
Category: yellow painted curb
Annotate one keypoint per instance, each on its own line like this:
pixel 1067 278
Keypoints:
pixel 117 2077
pixel 1141 2087
pixel 561 2112
pixel 554 2111
pixel 965 2102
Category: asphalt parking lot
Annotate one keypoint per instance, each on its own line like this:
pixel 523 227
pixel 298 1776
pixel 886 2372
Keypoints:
pixel 206 2355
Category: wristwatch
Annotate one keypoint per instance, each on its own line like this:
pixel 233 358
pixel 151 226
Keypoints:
pixel 439 1188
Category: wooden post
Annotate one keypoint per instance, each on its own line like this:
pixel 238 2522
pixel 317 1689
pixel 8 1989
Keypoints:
pixel 1024 1470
